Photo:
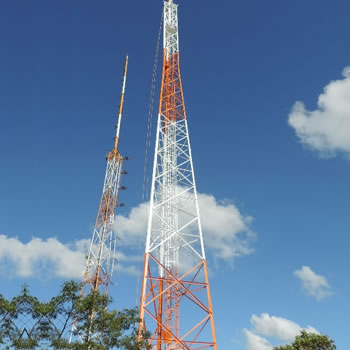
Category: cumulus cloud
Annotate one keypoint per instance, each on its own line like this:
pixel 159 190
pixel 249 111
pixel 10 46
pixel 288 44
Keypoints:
pixel 227 236
pixel 24 259
pixel 227 232
pixel 279 328
pixel 131 229
pixel 327 128
pixel 255 342
pixel 314 285
pixel 49 256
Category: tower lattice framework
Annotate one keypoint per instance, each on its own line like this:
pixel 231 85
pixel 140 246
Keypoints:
pixel 101 256
pixel 176 305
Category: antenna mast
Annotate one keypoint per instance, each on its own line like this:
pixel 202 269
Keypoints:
pixel 100 259
pixel 101 255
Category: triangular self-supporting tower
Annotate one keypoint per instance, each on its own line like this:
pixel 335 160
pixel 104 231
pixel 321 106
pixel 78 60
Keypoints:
pixel 175 303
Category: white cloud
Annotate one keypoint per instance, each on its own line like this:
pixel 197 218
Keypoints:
pixel 49 258
pixel 326 129
pixel 255 342
pixel 24 259
pixel 126 270
pixel 227 236
pixel 226 231
pixel 131 229
pixel 277 327
pixel 315 285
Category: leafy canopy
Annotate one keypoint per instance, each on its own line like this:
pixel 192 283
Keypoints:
pixel 27 323
pixel 309 341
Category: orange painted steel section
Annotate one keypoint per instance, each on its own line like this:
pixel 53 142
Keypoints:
pixel 143 295
pixel 210 304
pixel 171 104
pixel 159 289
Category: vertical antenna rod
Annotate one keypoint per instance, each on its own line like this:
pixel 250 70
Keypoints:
pixel 121 105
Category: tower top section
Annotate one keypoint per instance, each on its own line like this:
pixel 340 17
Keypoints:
pixel 115 151
pixel 170 35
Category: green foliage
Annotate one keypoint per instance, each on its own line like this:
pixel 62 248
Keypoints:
pixel 27 323
pixel 309 341
pixel 14 316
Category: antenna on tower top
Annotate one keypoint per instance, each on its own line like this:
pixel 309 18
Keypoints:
pixel 121 105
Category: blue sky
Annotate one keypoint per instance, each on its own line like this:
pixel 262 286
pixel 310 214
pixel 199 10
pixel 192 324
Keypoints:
pixel 244 65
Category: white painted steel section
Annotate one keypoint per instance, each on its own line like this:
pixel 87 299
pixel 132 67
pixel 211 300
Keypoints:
pixel 174 233
pixel 102 251
pixel 170 33
pixel 149 227
pixel 122 98
pixel 103 244
pixel 196 196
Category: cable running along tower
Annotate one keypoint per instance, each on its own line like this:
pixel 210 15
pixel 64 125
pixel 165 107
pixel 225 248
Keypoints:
pixel 175 303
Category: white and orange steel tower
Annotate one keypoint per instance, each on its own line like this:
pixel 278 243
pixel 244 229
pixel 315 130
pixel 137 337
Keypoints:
pixel 175 305
pixel 101 256
pixel 102 251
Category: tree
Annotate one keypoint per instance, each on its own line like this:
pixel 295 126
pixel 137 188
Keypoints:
pixel 309 341
pixel 27 323
pixel 15 331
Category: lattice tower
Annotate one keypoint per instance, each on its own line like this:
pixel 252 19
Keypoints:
pixel 175 302
pixel 101 255
pixel 102 251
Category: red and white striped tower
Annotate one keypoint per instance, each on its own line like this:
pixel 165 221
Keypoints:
pixel 176 305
